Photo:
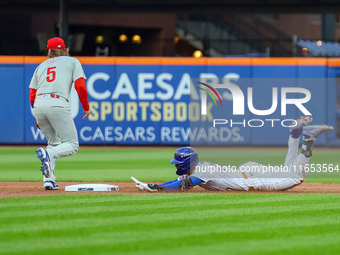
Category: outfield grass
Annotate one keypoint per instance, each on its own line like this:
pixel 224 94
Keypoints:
pixel 180 223
pixel 171 224
pixel 119 164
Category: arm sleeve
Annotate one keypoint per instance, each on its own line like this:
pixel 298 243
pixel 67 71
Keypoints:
pixel 195 180
pixel 80 87
pixel 33 92
pixel 174 185
pixel 180 178
pixel 169 182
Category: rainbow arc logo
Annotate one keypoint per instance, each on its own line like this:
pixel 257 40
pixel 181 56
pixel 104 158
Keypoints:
pixel 208 92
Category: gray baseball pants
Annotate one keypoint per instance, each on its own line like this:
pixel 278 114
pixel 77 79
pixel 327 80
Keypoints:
pixel 281 177
pixel 54 118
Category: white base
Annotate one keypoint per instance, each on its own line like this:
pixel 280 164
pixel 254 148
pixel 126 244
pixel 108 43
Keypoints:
pixel 92 187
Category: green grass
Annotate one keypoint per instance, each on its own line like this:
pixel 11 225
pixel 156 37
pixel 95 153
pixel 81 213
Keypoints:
pixel 171 224
pixel 180 223
pixel 119 164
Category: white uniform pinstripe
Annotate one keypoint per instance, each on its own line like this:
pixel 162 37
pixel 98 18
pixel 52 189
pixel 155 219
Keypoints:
pixel 254 176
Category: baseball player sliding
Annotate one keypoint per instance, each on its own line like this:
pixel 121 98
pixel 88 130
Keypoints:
pixel 249 176
pixel 49 95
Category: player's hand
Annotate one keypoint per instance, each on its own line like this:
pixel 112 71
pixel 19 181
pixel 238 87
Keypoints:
pixel 144 186
pixel 149 187
pixel 87 113
pixel 139 184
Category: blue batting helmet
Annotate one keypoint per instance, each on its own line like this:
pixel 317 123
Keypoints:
pixel 187 157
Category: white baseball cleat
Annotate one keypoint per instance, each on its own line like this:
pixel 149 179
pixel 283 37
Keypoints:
pixel 302 121
pixel 49 185
pixel 313 131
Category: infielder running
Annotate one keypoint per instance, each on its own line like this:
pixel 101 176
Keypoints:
pixel 249 176
pixel 49 95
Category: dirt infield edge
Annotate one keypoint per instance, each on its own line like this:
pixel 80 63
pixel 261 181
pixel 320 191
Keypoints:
pixel 28 189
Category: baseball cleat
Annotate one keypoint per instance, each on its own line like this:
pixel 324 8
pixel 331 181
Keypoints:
pixel 49 185
pixel 45 162
pixel 296 130
pixel 313 131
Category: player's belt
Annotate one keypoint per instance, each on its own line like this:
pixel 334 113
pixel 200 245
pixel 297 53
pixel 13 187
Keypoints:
pixel 48 95
pixel 54 96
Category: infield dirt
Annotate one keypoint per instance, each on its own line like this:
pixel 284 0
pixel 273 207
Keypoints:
pixel 28 189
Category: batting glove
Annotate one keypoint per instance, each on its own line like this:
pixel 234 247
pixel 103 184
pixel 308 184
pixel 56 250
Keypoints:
pixel 144 186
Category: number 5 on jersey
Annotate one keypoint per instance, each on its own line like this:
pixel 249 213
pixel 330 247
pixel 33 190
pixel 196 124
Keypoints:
pixel 51 74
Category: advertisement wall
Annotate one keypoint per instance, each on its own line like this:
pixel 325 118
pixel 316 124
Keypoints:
pixel 146 101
